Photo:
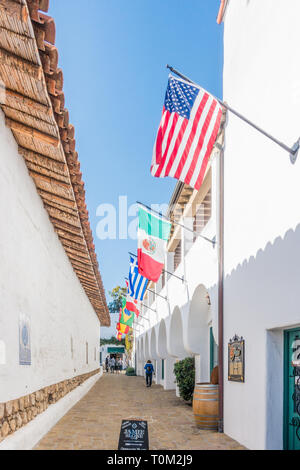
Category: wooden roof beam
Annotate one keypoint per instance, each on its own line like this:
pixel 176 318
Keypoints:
pixel 16 62
pixel 16 100
pixel 44 160
pixel 32 132
pixel 14 8
pixel 50 196
pixel 62 215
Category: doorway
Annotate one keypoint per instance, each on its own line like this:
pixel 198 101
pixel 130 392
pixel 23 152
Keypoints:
pixel 292 389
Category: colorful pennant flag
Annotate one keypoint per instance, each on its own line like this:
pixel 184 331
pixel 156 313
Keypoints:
pixel 188 130
pixel 153 235
pixel 137 284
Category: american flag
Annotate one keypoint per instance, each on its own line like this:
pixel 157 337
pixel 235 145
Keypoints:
pixel 188 130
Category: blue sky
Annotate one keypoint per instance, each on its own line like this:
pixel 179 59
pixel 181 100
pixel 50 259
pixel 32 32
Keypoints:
pixel 113 54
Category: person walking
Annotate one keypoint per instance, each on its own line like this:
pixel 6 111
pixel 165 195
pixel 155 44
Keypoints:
pixel 118 366
pixel 106 364
pixel 112 365
pixel 149 373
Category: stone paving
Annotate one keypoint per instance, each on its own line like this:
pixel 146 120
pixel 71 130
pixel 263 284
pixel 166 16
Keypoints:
pixel 95 422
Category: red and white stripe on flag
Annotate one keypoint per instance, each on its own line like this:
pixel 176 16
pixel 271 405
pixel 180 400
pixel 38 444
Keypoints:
pixel 187 133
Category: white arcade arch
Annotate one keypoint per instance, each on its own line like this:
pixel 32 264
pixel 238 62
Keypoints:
pixel 162 340
pixel 198 329
pixel 176 345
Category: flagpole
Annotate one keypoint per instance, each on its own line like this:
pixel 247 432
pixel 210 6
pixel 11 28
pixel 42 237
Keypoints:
pixel 168 272
pixel 213 242
pixel 165 298
pixel 126 279
pixel 144 318
pixel 293 151
pixel 146 306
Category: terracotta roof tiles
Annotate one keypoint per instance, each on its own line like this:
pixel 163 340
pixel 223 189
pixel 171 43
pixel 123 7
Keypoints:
pixel 35 110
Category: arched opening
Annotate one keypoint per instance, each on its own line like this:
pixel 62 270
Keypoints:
pixel 153 351
pixel 162 340
pixel 176 335
pixel 142 354
pixel 199 332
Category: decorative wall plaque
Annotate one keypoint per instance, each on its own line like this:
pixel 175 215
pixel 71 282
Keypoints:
pixel 24 341
pixel 236 359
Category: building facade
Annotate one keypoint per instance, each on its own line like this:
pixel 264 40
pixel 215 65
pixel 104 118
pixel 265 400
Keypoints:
pixel 52 297
pixel 259 236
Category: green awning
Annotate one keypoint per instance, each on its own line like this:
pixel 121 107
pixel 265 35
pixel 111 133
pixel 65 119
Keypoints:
pixel 116 350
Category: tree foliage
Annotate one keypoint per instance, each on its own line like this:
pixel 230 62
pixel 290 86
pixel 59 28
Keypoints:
pixel 112 340
pixel 129 344
pixel 116 294
pixel 185 378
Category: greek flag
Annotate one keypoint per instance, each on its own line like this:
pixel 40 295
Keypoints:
pixel 137 283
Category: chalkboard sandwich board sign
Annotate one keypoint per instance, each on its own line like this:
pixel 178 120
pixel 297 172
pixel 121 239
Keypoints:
pixel 134 435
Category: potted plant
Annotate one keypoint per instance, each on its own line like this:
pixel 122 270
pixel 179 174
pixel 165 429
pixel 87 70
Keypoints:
pixel 185 378
pixel 130 371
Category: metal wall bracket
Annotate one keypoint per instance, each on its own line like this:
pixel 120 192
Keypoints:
pixel 295 151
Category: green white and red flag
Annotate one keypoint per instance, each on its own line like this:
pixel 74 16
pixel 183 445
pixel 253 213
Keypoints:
pixel 153 236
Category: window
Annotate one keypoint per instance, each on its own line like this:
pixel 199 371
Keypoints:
pixel 177 257
pixel 202 216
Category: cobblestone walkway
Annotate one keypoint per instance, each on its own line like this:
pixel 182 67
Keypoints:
pixel 95 422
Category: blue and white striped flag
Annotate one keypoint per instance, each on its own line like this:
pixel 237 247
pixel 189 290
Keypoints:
pixel 137 283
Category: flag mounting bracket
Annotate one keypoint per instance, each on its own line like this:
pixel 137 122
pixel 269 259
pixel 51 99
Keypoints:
pixel 293 151
pixel 144 318
pixel 146 306
pixel 155 293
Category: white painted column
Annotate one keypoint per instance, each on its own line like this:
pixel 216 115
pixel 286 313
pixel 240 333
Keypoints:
pixel 197 368
pixel 169 264
pixel 169 382
pixel 158 372
pixel 187 237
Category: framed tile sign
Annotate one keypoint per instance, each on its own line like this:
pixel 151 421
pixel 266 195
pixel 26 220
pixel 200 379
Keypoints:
pixel 24 341
pixel 236 359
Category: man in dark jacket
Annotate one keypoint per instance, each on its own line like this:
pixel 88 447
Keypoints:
pixel 149 372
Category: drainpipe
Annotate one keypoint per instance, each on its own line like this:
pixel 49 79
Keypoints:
pixel 221 292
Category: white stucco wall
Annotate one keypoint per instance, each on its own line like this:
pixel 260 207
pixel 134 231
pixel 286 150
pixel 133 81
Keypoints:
pixel 262 232
pixel 37 279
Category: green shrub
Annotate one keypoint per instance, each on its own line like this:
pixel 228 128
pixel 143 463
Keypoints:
pixel 130 371
pixel 185 378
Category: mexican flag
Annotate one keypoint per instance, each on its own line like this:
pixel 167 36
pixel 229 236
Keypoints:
pixel 153 235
